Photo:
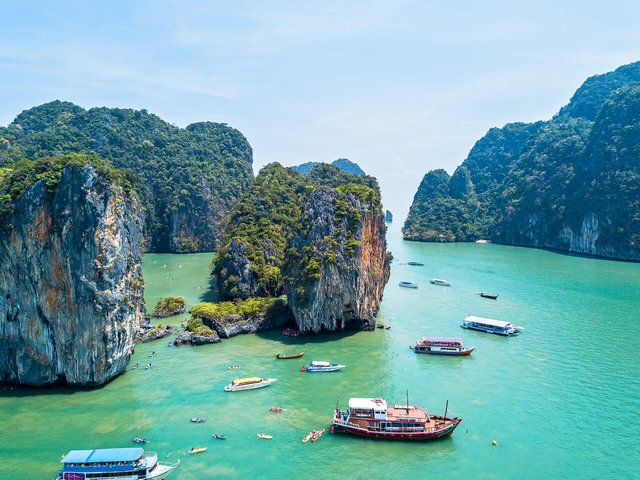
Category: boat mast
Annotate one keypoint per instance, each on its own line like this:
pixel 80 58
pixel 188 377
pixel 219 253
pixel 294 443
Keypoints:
pixel 446 407
pixel 407 402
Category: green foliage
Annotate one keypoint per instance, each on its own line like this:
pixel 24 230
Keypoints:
pixel 200 169
pixel 25 173
pixel 195 325
pixel 248 308
pixel 168 306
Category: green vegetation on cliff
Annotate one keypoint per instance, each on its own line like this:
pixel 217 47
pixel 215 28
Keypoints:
pixel 248 308
pixel 251 259
pixel 22 174
pixel 188 179
pixel 572 183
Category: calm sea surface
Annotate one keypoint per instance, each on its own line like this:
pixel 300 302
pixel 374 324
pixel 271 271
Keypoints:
pixel 562 400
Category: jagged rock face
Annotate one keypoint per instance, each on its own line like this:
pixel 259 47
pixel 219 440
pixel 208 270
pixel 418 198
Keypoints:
pixel 238 268
pixel 232 325
pixel 346 288
pixel 70 282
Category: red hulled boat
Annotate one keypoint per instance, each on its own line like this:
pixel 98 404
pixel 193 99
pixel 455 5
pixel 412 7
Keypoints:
pixel 371 417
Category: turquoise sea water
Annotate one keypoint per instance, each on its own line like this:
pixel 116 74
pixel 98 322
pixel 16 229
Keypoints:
pixel 562 400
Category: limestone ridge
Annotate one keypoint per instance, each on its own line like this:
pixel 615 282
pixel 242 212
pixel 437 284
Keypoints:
pixel 571 183
pixel 348 260
pixel 343 164
pixel 71 282
pixel 188 179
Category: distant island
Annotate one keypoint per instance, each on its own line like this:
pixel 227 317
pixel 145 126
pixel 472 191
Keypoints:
pixel 342 163
pixel 571 183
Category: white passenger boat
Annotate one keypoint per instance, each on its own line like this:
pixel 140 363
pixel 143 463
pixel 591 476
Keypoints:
pixel 319 366
pixel 442 346
pixel 490 325
pixel 439 281
pixel 248 383
pixel 113 463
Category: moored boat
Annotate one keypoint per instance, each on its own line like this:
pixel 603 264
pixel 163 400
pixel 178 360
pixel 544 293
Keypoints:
pixel 276 409
pixel 441 346
pixel 198 450
pixel 198 420
pixel 489 295
pixel 116 463
pixel 286 356
pixel 440 281
pixel 233 367
pixel 321 366
pixel 265 436
pixel 249 383
pixel 491 325
pixel 139 440
pixel 415 264
pixel 408 285
pixel 372 418
pixel 219 436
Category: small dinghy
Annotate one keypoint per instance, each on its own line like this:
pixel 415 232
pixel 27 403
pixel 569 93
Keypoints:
pixel 316 435
pixel 198 420
pixel 264 436
pixel 320 366
pixel 286 356
pixel 198 450
pixel 233 367
pixel 275 409
pixel 139 440
pixel 219 436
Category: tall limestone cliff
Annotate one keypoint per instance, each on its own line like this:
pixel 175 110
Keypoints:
pixel 571 183
pixel 188 179
pixel 336 277
pixel 70 279
pixel 271 248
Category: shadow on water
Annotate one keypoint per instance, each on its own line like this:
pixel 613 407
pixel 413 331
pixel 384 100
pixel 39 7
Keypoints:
pixel 305 339
pixel 212 293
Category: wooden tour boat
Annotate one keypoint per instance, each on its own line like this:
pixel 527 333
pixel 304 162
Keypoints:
pixel 372 418
pixel 441 346
pixel 249 383
pixel 286 356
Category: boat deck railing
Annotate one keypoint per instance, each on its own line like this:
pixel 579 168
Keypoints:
pixel 439 426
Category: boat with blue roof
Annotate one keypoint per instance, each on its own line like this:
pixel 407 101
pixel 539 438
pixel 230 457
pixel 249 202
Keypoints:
pixel 113 463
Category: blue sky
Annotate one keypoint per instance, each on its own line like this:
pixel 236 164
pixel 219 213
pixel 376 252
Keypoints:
pixel 401 87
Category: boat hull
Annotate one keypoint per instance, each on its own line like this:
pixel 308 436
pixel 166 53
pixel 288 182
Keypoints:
pixel 460 353
pixel 324 369
pixel 283 356
pixel 340 427
pixel 495 332
pixel 240 388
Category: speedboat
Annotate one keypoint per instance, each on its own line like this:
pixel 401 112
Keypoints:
pixel 265 436
pixel 198 450
pixel 320 366
pixel 408 285
pixel 219 436
pixel 139 440
pixel 489 295
pixel 198 420
pixel 439 281
pixel 249 383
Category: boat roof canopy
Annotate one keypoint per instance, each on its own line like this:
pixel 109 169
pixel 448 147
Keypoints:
pixel 105 455
pixel 442 339
pixel 239 381
pixel 367 403
pixel 488 321
pixel 320 363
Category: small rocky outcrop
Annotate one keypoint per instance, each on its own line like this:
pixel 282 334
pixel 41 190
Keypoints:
pixel 337 279
pixel 169 306
pixel 229 319
pixel 388 217
pixel 70 280
pixel 155 333
pixel 195 339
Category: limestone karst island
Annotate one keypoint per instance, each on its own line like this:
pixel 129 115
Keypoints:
pixel 287 240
